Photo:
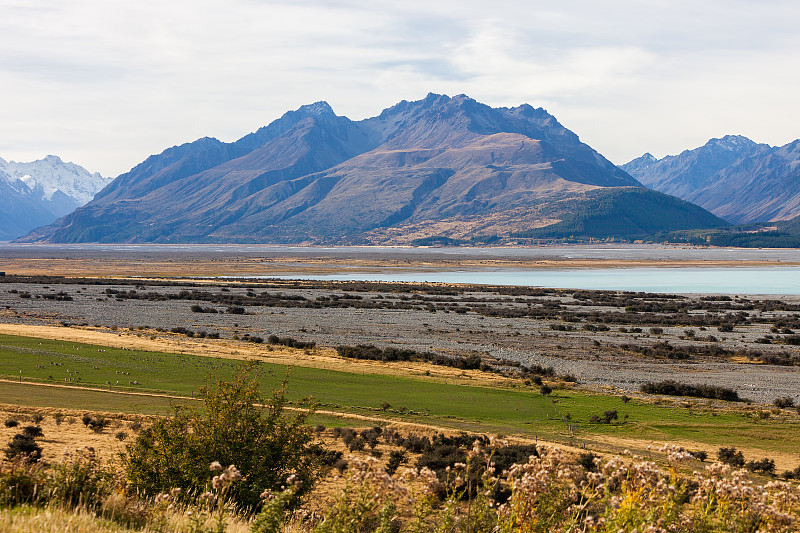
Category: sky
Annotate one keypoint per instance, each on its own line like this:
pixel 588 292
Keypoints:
pixel 106 83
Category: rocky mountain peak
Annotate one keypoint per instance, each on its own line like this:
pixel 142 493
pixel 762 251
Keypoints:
pixel 732 143
pixel 317 108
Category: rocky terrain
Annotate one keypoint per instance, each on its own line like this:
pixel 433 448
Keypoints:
pixel 602 338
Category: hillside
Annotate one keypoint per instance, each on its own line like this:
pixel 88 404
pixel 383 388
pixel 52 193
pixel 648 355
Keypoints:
pixel 733 177
pixel 441 167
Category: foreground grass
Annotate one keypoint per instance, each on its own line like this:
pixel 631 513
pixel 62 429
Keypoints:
pixel 564 416
pixel 53 519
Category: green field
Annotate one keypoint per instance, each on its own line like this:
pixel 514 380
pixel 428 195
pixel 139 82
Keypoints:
pixel 501 410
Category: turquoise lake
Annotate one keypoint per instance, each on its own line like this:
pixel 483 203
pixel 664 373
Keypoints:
pixel 768 280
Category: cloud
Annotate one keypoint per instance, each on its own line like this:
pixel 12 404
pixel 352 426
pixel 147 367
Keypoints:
pixel 107 83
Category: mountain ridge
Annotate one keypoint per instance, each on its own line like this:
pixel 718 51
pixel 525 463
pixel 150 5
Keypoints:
pixel 734 177
pixel 314 177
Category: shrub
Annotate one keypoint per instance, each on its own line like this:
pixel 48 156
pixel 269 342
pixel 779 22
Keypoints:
pixel 265 444
pixel 37 418
pixel 673 388
pixel 396 458
pixel 290 342
pixel 11 423
pixel 32 431
pixel 587 461
pixel 784 402
pixel 764 466
pixel 25 447
pixel 97 423
pixel 730 456
pixel 700 455
pixel 607 418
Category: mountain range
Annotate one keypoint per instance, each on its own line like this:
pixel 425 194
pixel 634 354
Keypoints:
pixel 37 193
pixel 733 177
pixel 437 168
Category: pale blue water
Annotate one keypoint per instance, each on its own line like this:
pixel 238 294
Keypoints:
pixel 768 280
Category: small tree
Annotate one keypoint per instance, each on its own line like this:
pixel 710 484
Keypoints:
pixel 23 446
pixel 233 428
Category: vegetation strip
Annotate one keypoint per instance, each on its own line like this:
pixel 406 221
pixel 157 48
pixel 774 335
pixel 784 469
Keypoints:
pixel 524 410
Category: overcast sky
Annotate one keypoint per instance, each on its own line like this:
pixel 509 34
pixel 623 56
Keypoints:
pixel 106 83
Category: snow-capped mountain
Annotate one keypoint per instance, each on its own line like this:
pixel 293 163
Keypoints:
pixel 39 192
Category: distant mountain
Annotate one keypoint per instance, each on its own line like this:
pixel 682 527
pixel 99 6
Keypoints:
pixel 733 177
pixel 37 193
pixel 437 168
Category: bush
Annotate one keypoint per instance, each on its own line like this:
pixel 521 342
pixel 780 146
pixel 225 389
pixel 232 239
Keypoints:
pixel 25 447
pixel 290 342
pixel 587 461
pixel 265 444
pixel 700 455
pixel 11 423
pixel 396 458
pixel 673 388
pixel 765 466
pixel 784 402
pixel 607 418
pixel 32 431
pixel 730 456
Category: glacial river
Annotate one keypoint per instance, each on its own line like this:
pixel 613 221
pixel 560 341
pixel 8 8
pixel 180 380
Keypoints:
pixel 766 280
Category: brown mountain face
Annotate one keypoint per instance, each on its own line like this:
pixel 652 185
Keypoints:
pixel 437 167
pixel 733 177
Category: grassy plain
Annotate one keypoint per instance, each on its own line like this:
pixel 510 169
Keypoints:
pixel 514 408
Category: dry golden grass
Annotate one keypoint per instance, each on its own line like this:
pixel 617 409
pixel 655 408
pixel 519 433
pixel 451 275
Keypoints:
pixel 70 434
pixel 25 519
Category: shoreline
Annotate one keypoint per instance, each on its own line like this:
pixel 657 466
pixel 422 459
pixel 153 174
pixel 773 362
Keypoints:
pixel 186 267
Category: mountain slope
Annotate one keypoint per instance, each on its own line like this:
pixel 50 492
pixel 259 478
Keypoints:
pixel 440 166
pixel 733 177
pixel 37 193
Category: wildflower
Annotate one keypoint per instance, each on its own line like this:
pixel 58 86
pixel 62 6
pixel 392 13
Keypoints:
pixel 232 474
pixel 215 466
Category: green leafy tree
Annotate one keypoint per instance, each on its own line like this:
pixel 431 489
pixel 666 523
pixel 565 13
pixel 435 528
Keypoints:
pixel 236 426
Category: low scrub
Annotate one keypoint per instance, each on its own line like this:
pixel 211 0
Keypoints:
pixel 674 388
pixel 373 353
